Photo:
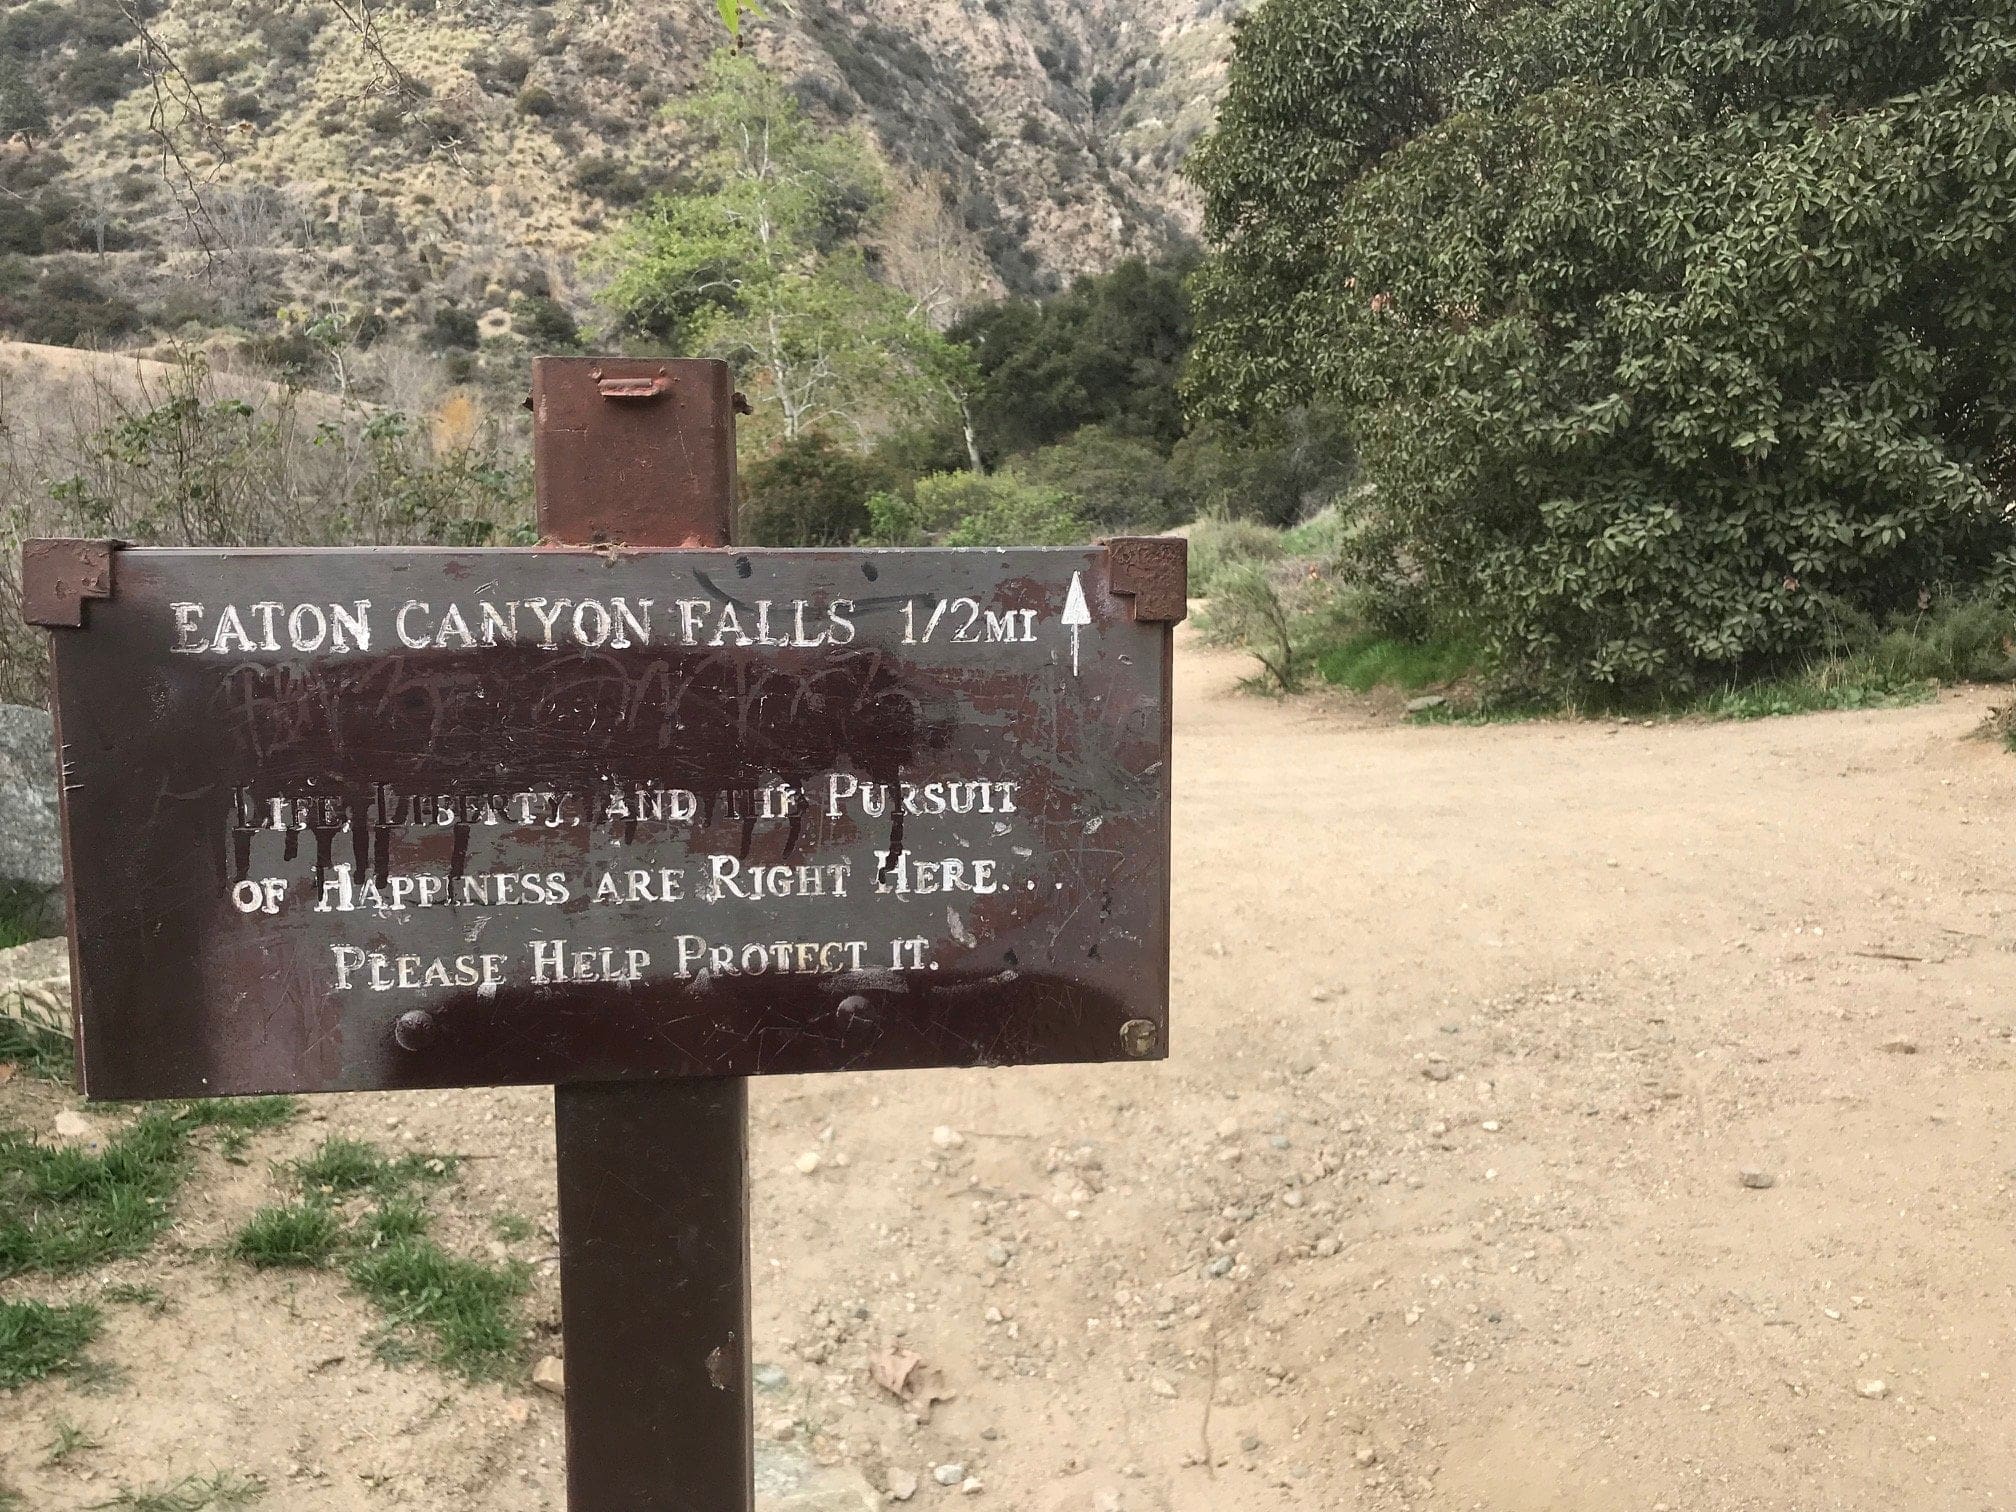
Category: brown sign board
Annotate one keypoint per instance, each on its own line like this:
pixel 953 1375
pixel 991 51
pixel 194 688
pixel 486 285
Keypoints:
pixel 363 819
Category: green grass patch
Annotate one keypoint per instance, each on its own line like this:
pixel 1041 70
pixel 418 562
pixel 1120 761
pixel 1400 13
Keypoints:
pixel 252 1114
pixel 345 1167
pixel 38 1051
pixel 512 1228
pixel 38 1340
pixel 64 1208
pixel 1366 661
pixel 197 1493
pixel 467 1310
pixel 392 1222
pixel 462 1315
pixel 1830 686
pixel 291 1234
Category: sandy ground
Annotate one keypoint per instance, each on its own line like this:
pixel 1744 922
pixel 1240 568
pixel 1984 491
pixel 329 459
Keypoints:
pixel 1475 1030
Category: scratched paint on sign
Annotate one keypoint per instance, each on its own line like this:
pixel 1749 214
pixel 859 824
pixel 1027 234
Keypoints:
pixel 359 819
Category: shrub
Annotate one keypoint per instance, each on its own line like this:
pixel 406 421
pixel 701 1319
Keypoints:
pixel 454 327
pixel 1219 544
pixel 22 107
pixel 545 323
pixel 1278 470
pixel 975 509
pixel 206 65
pixel 1248 607
pixel 501 72
pixel 809 492
pixel 98 77
pixel 1119 483
pixel 21 227
pixel 537 100
pixel 1970 641
pixel 291 38
pixel 68 308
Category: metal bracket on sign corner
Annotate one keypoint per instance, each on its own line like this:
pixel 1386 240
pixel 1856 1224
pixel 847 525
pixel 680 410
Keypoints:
pixel 1152 571
pixel 639 386
pixel 57 576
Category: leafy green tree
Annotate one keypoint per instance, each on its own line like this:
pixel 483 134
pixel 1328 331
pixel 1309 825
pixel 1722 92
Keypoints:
pixel 1108 351
pixel 757 260
pixel 1671 332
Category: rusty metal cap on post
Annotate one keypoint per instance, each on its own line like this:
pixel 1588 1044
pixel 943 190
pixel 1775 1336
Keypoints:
pixel 625 446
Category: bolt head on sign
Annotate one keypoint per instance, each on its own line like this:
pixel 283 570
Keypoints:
pixel 357 819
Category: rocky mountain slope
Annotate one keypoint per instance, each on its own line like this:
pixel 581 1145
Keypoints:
pixel 242 160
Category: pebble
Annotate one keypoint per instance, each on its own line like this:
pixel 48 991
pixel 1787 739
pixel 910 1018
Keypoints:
pixel 1491 1126
pixel 550 1375
pixel 1220 1265
pixel 1228 1128
pixel 1437 1071
pixel 1326 1247
pixel 902 1485
pixel 997 1254
pixel 1900 1046
pixel 1280 1142
pixel 1874 1391
pixel 1161 1387
pixel 971 1486
pixel 1291 1199
pixel 1366 1458
pixel 949 1474
pixel 1250 1443
pixel 1756 1180
pixel 947 1138
pixel 770 1377
pixel 809 1162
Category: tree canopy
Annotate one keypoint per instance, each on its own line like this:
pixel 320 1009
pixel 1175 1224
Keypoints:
pixel 1108 351
pixel 1673 334
pixel 758 259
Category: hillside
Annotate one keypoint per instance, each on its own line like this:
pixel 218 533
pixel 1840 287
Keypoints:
pixel 240 161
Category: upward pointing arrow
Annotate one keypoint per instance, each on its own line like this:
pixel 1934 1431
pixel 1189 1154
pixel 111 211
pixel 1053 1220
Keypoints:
pixel 1077 614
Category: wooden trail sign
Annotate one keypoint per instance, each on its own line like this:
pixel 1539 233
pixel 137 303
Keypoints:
pixel 638 817
pixel 340 820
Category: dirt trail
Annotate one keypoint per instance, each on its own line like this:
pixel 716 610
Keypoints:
pixel 1475 1030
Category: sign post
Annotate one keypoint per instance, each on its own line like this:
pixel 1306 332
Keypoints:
pixel 653 1176
pixel 634 813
